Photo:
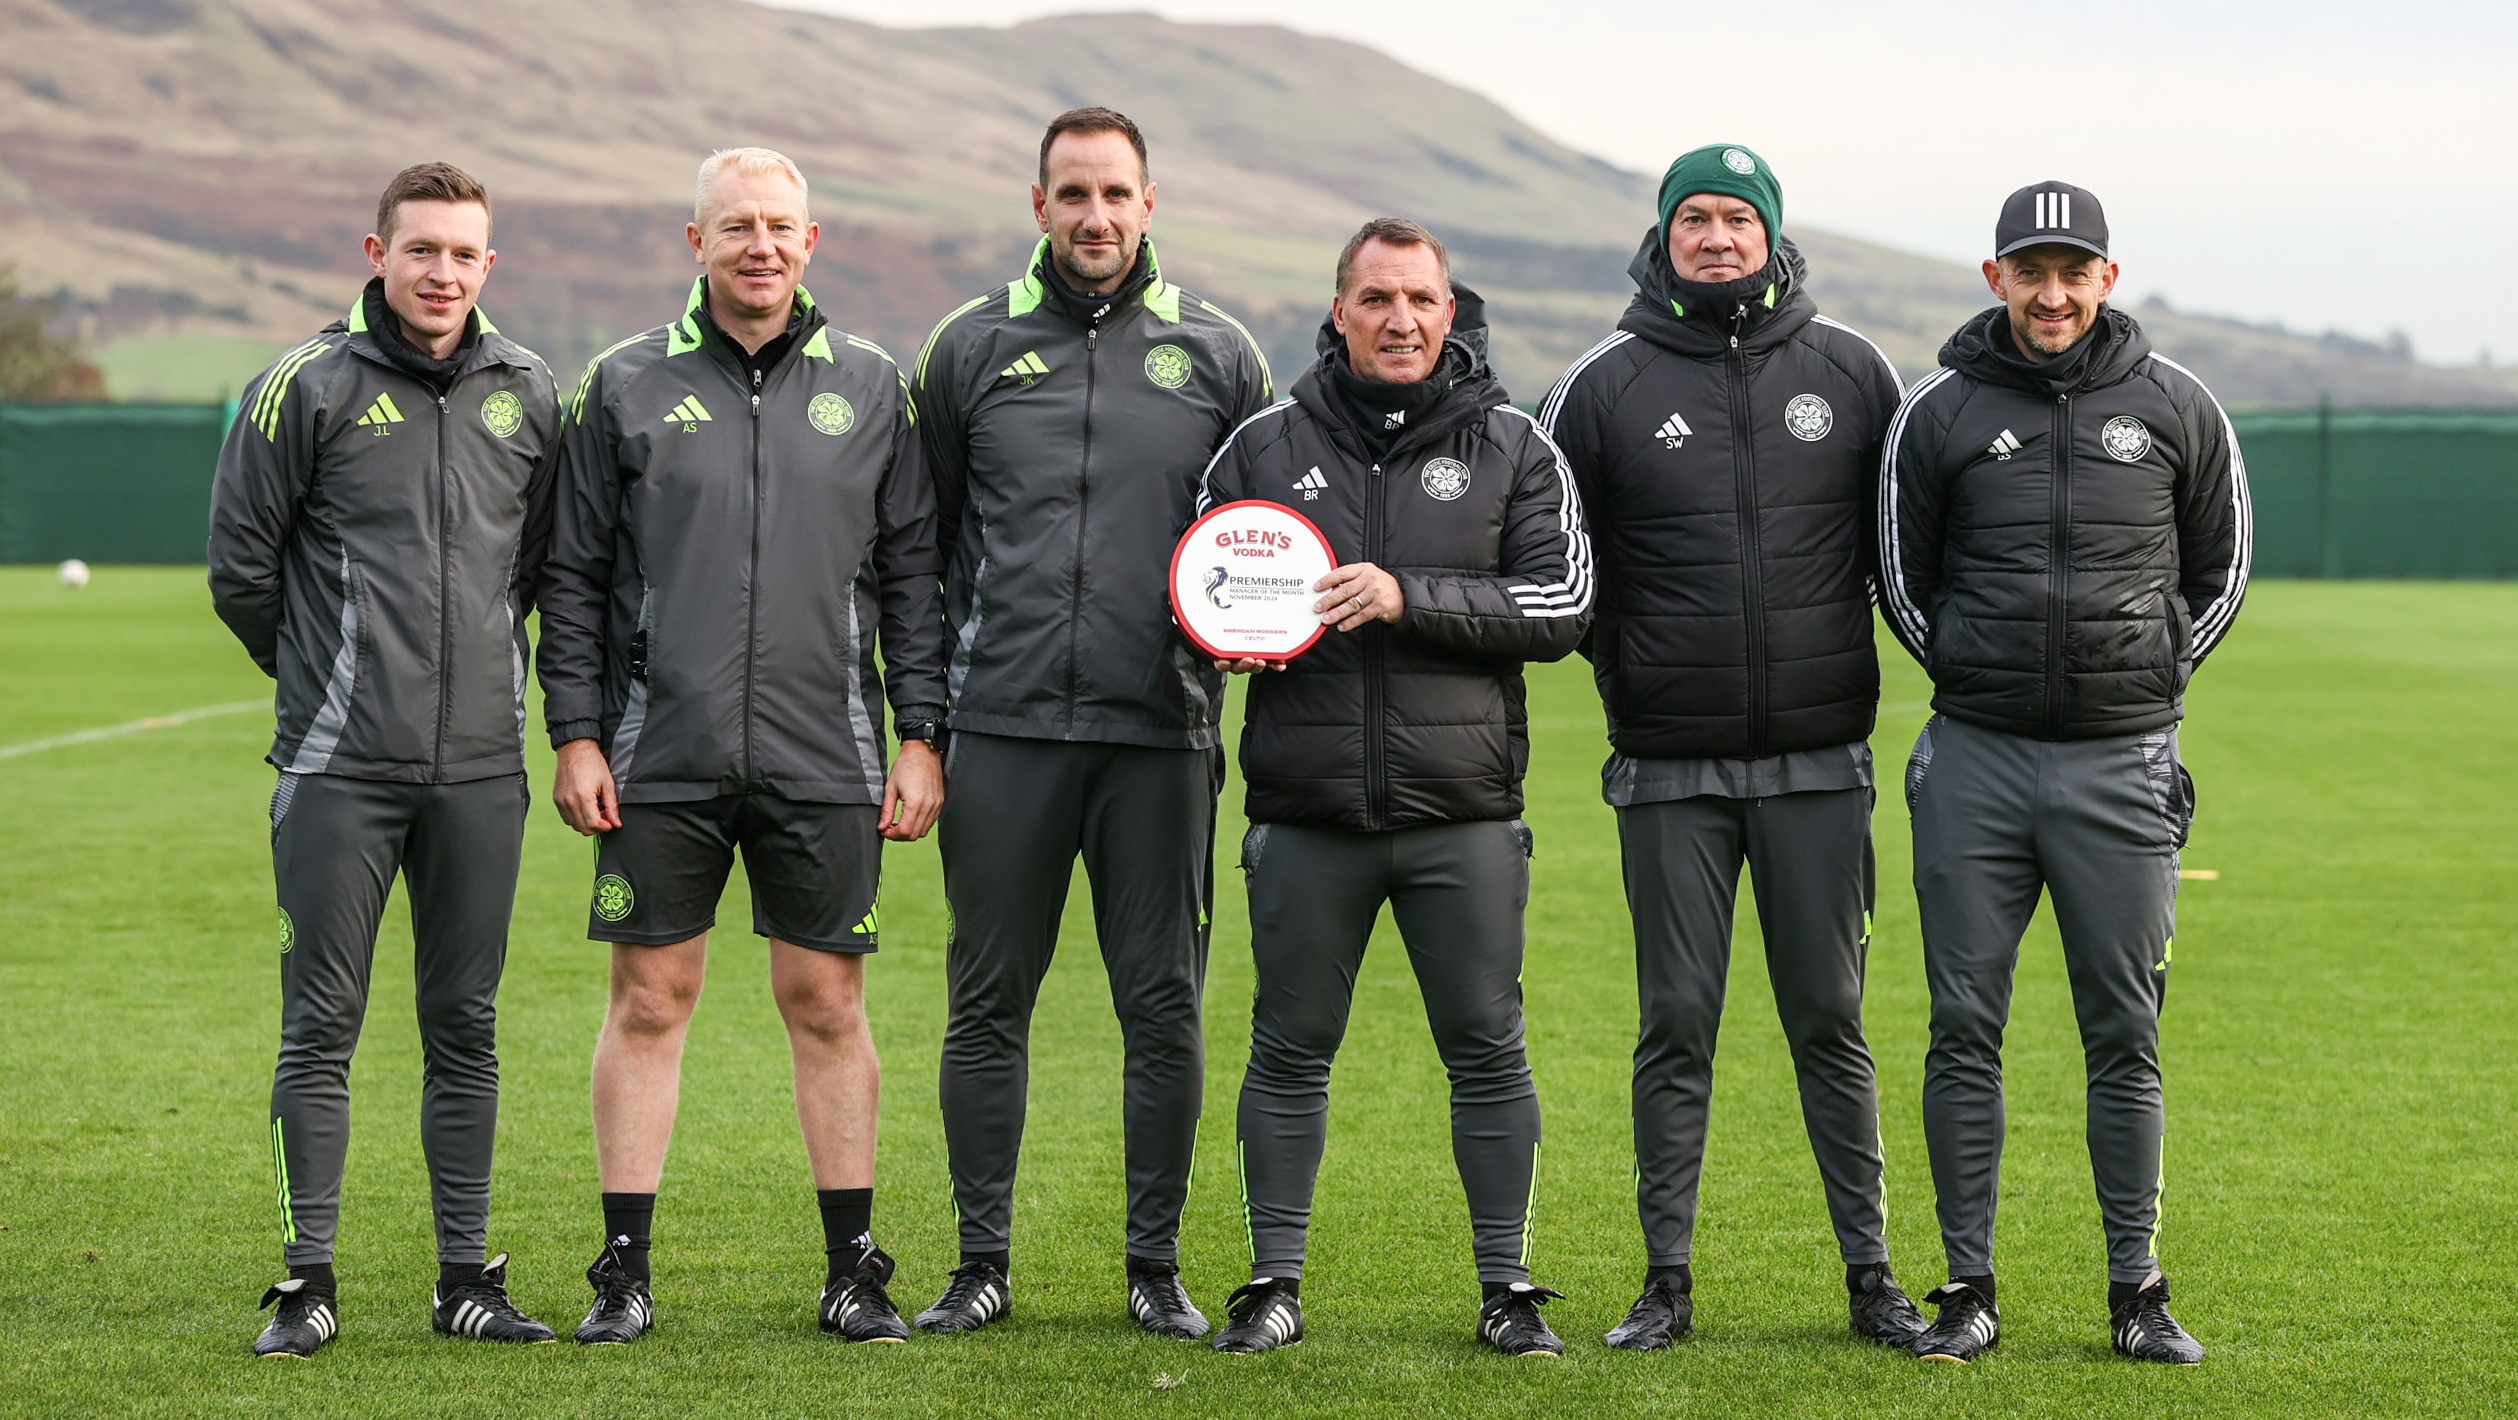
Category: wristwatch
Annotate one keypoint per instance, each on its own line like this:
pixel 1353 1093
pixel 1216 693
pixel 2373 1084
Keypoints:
pixel 929 731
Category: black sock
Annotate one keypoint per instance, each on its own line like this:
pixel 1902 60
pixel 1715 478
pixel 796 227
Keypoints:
pixel 1678 1275
pixel 1291 1286
pixel 630 1216
pixel 1150 1266
pixel 451 1275
pixel 1983 1286
pixel 2119 1293
pixel 1491 1290
pixel 1002 1261
pixel 847 1228
pixel 1858 1276
pixel 318 1278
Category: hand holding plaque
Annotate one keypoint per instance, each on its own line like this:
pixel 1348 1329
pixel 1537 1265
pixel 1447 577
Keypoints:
pixel 1243 582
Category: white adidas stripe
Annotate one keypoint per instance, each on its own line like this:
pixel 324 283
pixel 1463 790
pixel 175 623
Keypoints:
pixel 2215 622
pixel 1904 616
pixel 1206 480
pixel 1885 362
pixel 1554 404
pixel 1569 522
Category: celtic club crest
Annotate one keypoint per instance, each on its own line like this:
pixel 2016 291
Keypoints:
pixel 502 413
pixel 613 898
pixel 1445 479
pixel 1809 418
pixel 1167 366
pixel 2126 438
pixel 832 414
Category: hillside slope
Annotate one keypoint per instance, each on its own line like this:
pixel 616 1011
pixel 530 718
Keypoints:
pixel 204 168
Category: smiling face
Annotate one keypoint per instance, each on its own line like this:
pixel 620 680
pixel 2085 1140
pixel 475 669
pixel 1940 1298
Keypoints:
pixel 2053 293
pixel 1096 206
pixel 755 240
pixel 1715 238
pixel 434 262
pixel 1395 312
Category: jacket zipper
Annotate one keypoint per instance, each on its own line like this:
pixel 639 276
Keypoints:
pixel 2059 558
pixel 445 579
pixel 1376 792
pixel 752 591
pixel 1752 562
pixel 1083 520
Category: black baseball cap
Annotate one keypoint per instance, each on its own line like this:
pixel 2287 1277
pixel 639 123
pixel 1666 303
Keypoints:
pixel 2051 212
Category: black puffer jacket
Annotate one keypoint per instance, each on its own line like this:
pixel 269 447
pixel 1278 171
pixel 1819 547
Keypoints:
pixel 1727 442
pixel 2062 544
pixel 1474 512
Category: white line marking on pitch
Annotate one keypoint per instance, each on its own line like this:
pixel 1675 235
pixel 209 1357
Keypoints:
pixel 153 722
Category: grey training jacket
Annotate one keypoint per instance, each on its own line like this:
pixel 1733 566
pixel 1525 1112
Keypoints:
pixel 722 557
pixel 375 546
pixel 1067 446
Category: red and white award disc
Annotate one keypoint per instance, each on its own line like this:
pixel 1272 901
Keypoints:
pixel 1243 579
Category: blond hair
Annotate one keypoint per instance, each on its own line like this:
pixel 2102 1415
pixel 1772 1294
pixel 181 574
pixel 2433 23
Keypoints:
pixel 749 162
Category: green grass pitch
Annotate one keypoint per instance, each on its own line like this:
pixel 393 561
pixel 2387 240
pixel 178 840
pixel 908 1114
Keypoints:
pixel 2340 1069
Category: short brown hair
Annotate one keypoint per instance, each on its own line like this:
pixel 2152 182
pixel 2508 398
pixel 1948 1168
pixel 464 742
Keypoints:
pixel 426 182
pixel 1092 120
pixel 1399 232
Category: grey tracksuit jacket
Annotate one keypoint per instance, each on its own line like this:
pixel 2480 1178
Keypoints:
pixel 1066 451
pixel 374 546
pixel 723 555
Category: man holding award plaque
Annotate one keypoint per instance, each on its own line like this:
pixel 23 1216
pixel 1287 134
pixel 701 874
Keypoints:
pixel 1445 547
pixel 1067 416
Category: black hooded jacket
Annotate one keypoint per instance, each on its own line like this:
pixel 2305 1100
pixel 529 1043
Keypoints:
pixel 1472 509
pixel 1726 441
pixel 2062 544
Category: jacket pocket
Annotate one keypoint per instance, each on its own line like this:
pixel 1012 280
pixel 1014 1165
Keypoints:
pixel 1919 764
pixel 1529 841
pixel 2172 787
pixel 1254 844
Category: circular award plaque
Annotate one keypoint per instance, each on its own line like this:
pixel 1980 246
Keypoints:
pixel 1242 581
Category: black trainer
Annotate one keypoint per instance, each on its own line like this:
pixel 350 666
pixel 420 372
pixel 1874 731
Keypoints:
pixel 1161 1305
pixel 976 1296
pixel 1261 1317
pixel 1967 1328
pixel 1882 1311
pixel 2145 1331
pixel 1510 1321
pixel 857 1308
pixel 624 1308
pixel 479 1309
pixel 1663 1314
pixel 304 1322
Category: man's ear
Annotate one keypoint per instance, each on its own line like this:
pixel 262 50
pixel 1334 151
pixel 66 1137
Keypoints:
pixel 1993 277
pixel 1337 313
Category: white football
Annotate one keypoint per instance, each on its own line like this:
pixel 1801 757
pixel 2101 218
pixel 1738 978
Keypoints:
pixel 73 573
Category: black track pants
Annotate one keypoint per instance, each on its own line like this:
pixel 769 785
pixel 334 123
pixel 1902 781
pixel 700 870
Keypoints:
pixel 1458 892
pixel 336 844
pixel 2097 824
pixel 1809 857
pixel 1018 814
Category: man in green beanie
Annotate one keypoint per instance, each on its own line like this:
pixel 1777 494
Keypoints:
pixel 1725 440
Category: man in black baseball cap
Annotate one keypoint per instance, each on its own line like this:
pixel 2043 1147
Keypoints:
pixel 2064 536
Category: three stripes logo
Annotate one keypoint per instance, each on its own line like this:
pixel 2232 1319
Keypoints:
pixel 2004 445
pixel 1029 369
pixel 866 925
pixel 381 416
pixel 1313 484
pixel 690 414
pixel 1674 432
pixel 2054 211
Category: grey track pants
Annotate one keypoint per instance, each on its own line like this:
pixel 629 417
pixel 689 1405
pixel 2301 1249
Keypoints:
pixel 1809 857
pixel 1458 892
pixel 1019 813
pixel 336 844
pixel 2097 824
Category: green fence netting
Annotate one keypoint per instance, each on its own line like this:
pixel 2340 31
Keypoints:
pixel 2339 493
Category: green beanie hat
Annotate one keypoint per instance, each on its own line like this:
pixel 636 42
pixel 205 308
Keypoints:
pixel 1731 170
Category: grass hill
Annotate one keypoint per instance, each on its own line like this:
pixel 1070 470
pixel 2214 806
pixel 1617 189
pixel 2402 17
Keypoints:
pixel 201 170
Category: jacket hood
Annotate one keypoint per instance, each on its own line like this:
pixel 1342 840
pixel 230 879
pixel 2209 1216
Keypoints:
pixel 1982 349
pixel 1699 319
pixel 1469 384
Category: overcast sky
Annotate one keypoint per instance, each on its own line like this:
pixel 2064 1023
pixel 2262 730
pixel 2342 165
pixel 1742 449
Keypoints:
pixel 2327 165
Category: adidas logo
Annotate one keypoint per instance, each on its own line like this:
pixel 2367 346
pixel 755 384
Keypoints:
pixel 1674 432
pixel 1394 419
pixel 381 416
pixel 2004 445
pixel 1028 369
pixel 865 925
pixel 1313 484
pixel 690 414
